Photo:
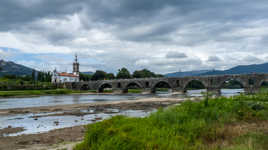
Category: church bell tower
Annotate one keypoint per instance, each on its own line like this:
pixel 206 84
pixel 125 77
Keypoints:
pixel 76 66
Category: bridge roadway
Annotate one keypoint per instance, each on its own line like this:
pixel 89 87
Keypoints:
pixel 250 82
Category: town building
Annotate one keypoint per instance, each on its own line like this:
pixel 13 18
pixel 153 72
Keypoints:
pixel 62 77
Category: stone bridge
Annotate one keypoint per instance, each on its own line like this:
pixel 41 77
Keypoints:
pixel 250 82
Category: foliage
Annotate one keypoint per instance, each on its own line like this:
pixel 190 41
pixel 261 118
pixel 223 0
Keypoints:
pixel 143 74
pixel 123 74
pixel 44 76
pixel 11 82
pixel 110 76
pixel 36 92
pixel 189 126
pixel 99 75
pixel 84 77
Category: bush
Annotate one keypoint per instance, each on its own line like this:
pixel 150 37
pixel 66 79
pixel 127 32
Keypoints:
pixel 189 126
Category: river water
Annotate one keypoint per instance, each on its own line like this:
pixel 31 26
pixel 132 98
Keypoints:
pixel 7 103
pixel 47 123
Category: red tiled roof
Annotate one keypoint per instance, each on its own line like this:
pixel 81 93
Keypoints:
pixel 67 74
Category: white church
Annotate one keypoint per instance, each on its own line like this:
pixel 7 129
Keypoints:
pixel 62 77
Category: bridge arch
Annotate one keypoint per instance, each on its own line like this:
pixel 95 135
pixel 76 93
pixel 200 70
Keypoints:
pixel 132 85
pixel 104 86
pixel 194 81
pixel 160 84
pixel 263 83
pixel 237 81
pixel 194 84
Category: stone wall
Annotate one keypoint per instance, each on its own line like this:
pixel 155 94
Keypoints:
pixel 250 82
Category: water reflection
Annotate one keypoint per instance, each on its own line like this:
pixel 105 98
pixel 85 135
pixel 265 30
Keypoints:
pixel 7 103
pixel 76 99
pixel 45 124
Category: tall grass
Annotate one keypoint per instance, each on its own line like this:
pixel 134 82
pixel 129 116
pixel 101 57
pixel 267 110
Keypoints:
pixel 189 126
pixel 36 92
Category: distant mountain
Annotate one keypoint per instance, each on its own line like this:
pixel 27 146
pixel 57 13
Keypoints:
pixel 243 69
pixel 11 68
pixel 187 73
pixel 88 73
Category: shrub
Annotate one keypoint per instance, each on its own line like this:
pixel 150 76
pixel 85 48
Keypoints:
pixel 190 125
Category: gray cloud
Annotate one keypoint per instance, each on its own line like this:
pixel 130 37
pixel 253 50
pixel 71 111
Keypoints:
pixel 175 55
pixel 214 59
pixel 140 33
pixel 252 59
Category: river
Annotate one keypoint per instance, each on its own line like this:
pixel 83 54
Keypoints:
pixel 46 122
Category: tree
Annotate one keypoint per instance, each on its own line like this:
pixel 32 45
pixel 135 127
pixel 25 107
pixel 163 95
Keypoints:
pixel 143 74
pixel 84 77
pixel 123 74
pixel 99 75
pixel 110 76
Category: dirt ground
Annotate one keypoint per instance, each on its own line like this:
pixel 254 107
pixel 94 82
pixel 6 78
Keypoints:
pixel 43 141
pixel 67 137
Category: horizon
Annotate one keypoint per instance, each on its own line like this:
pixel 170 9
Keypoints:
pixel 180 71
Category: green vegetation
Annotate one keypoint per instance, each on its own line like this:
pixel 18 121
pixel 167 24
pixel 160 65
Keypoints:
pixel 122 73
pixel 134 90
pixel 144 73
pixel 38 81
pixel 236 123
pixel 36 92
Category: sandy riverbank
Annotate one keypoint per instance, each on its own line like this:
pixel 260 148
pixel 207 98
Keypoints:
pixel 140 104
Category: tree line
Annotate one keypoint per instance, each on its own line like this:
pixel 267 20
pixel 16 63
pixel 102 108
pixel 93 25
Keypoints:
pixel 122 73
pixel 38 76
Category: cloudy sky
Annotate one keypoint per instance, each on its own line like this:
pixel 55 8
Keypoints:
pixel 161 35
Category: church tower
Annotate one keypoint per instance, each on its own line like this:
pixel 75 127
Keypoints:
pixel 76 66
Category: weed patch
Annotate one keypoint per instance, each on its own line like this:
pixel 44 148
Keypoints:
pixel 224 124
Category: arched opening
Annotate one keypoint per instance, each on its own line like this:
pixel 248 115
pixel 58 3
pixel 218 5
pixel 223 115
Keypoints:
pixel 133 88
pixel 84 87
pixel 118 85
pixel 147 84
pixel 232 84
pixel 73 85
pixel 264 84
pixel 178 83
pixel 251 81
pixel 105 88
pixel 195 88
pixel 162 87
pixel 232 87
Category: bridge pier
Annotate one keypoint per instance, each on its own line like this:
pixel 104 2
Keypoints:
pixel 251 90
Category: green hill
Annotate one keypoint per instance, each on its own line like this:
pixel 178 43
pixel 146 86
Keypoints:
pixel 11 68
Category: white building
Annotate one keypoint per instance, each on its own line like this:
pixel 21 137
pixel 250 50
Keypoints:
pixel 63 77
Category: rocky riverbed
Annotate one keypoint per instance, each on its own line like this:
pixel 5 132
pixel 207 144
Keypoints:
pixel 48 126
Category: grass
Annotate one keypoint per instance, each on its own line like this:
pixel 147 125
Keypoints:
pixel 134 90
pixel 236 123
pixel 36 92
